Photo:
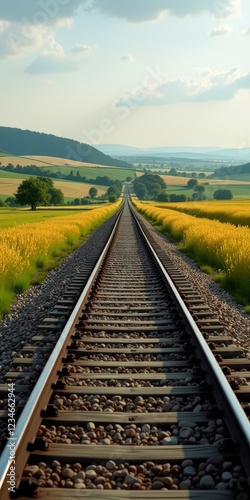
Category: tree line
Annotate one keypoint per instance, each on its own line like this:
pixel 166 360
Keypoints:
pixel 102 180
pixel 40 191
pixel 153 187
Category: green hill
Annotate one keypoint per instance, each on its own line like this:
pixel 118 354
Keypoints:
pixel 24 142
pixel 236 172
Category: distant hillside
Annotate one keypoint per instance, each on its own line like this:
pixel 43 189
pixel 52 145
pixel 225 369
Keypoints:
pixel 179 152
pixel 227 172
pixel 24 142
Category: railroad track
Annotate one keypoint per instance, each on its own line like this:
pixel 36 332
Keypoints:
pixel 133 402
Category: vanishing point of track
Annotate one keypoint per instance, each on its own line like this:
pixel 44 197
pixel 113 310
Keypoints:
pixel 136 400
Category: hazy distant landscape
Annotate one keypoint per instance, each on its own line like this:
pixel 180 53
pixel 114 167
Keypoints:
pixel 75 177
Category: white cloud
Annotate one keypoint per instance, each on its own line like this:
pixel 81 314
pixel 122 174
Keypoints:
pixel 205 85
pixel 54 59
pixel 53 48
pixel 3 25
pixel 65 22
pixel 144 10
pixel 17 41
pixel 127 57
pixel 80 48
pixel 246 32
pixel 51 64
pixel 223 29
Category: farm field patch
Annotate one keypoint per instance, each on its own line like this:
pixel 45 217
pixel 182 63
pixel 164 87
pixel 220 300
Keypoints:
pixel 223 246
pixel 172 180
pixel 27 248
pixel 43 161
pixel 234 212
pixel 16 216
pixel 92 172
pixel 9 185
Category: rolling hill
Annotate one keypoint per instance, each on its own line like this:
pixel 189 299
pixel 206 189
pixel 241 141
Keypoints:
pixel 24 142
pixel 194 153
pixel 234 172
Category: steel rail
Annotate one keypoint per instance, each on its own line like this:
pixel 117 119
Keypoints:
pixel 24 431
pixel 234 414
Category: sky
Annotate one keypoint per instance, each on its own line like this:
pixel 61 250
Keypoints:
pixel 142 73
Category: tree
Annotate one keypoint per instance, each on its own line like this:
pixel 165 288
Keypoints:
pixel 92 192
pixel 223 194
pixel 155 189
pixel 114 189
pixel 173 171
pixel 56 196
pixel 141 191
pixel 11 201
pixel 153 184
pixel 192 183
pixel 199 190
pixel 33 192
pixel 112 198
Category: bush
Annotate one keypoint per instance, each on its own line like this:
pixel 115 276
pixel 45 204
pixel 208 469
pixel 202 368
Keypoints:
pixel 162 196
pixel 223 194
pixel 112 198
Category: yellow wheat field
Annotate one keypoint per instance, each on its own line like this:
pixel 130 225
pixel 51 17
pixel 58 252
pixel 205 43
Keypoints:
pixel 44 161
pixel 235 212
pixel 222 245
pixel 25 247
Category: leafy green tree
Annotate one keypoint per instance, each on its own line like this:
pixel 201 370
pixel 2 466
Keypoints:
pixel 47 181
pixel 56 196
pixel 112 198
pixel 173 171
pixel 33 192
pixel 223 194
pixel 153 184
pixel 114 189
pixel 155 189
pixel 11 201
pixel 92 192
pixel 199 190
pixel 192 183
pixel 141 191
